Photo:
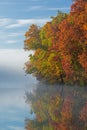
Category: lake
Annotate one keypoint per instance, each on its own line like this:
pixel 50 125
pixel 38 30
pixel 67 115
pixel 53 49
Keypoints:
pixel 55 106
pixel 13 85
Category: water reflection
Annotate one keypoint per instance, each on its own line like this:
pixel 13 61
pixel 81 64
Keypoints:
pixel 49 107
pixel 57 107
pixel 13 84
pixel 13 109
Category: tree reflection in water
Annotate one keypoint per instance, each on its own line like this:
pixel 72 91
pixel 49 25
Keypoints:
pixel 57 107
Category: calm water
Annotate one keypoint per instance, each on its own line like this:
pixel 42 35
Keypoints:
pixel 58 107
pixel 15 88
pixel 13 85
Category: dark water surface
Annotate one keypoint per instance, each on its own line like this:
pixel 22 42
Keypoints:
pixel 13 85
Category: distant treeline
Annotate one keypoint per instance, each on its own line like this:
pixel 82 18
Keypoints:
pixel 60 47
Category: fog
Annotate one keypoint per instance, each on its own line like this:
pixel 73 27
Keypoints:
pixel 13 84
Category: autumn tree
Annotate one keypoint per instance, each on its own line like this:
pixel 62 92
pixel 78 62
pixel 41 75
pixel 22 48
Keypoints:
pixel 46 61
pixel 60 47
pixel 72 43
pixel 32 41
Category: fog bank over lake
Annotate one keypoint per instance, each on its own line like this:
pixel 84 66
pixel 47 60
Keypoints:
pixel 13 58
pixel 13 84
pixel 12 68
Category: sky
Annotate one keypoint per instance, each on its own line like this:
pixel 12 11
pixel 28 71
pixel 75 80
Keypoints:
pixel 17 15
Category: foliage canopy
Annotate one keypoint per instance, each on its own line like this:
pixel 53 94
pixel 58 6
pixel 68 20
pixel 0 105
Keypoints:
pixel 60 47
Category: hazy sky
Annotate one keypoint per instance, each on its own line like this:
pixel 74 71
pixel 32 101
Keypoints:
pixel 17 15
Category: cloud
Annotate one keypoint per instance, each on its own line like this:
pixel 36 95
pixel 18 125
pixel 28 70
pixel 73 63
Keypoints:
pixel 32 8
pixel 24 22
pixel 44 8
pixel 10 32
pixel 11 41
pixel 15 34
pixel 5 21
pixel 8 38
pixel 61 8
pixel 15 128
pixel 8 23
pixel 13 25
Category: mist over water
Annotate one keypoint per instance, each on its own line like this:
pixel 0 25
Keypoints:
pixel 13 85
pixel 58 107
pixel 18 91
